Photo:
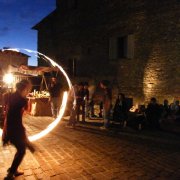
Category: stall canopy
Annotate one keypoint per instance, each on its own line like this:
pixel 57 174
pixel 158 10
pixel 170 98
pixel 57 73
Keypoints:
pixel 32 70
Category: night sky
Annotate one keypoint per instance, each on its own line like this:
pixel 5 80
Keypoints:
pixel 17 17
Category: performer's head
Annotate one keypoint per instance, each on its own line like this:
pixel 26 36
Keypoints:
pixel 23 87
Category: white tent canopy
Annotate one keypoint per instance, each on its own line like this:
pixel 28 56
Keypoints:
pixel 31 70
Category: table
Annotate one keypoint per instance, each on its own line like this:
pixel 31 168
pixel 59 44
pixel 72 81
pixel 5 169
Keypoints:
pixel 39 106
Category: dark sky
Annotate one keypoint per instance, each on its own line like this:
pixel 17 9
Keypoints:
pixel 17 17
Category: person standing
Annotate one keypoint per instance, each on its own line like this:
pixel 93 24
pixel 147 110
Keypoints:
pixel 72 101
pixel 107 102
pixel 120 112
pixel 54 90
pixel 14 131
pixel 80 102
pixel 86 99
pixel 153 114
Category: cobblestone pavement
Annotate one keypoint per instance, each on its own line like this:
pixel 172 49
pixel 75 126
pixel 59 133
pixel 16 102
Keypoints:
pixel 85 153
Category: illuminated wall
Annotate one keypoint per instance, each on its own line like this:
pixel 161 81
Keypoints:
pixel 88 30
pixel 160 75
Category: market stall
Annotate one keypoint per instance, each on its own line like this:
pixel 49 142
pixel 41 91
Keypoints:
pixel 39 106
pixel 38 99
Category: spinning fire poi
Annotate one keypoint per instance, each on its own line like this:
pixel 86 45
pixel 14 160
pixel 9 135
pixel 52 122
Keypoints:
pixel 52 125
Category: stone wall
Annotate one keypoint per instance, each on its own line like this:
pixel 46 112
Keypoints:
pixel 83 33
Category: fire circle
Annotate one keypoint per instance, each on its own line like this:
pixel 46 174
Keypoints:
pixel 52 125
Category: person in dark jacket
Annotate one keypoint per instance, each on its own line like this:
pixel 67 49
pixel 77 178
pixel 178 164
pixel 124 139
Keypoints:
pixel 153 114
pixel 120 111
pixel 55 96
pixel 80 102
pixel 14 131
pixel 86 99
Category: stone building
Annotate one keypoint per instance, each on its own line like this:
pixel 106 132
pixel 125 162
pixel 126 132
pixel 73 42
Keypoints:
pixel 8 60
pixel 135 44
pixel 11 58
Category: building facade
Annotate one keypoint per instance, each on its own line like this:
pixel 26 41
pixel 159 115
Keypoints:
pixel 11 58
pixel 8 60
pixel 134 44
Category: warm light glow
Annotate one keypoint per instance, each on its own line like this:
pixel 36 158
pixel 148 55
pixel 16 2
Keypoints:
pixel 8 78
pixel 51 126
pixel 54 123
pixel 133 109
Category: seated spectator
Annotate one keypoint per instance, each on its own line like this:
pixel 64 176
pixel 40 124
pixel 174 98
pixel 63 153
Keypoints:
pixel 95 99
pixel 138 119
pixel 92 109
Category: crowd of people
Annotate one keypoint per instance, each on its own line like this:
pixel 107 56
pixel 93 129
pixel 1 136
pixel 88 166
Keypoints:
pixel 82 104
pixel 119 113
pixel 156 114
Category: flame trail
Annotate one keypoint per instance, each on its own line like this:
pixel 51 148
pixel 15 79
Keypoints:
pixel 51 126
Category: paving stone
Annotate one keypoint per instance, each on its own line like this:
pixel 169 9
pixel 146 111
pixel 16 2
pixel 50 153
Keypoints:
pixel 64 177
pixel 21 178
pixel 79 154
pixel 28 172
pixel 30 177
pixel 74 175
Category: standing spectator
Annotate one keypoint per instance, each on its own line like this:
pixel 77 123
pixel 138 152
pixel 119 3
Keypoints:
pixel 107 100
pixel 153 114
pixel 120 112
pixel 54 90
pixel 79 93
pixel 165 109
pixel 80 102
pixel 175 110
pixel 86 98
pixel 14 130
pixel 72 118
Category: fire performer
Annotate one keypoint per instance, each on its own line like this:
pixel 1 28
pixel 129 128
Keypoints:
pixel 14 131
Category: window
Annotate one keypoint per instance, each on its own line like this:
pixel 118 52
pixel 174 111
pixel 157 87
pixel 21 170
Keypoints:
pixel 121 47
